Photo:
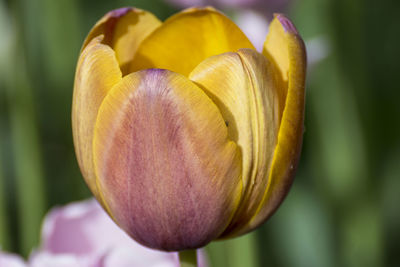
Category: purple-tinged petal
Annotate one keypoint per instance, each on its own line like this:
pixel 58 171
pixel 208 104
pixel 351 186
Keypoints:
pixel 165 164
pixel 287 24
pixel 119 12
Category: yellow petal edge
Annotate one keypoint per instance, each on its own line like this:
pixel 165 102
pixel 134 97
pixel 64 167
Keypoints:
pixel 106 52
pixel 97 72
pixel 124 29
pixel 244 87
pixel 286 49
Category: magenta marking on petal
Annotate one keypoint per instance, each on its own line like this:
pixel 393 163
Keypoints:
pixel 286 23
pixel 156 70
pixel 119 12
pixel 155 73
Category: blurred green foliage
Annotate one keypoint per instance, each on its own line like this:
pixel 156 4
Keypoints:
pixel 343 207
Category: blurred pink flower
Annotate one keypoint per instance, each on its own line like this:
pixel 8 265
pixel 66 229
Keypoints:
pixel 82 235
pixel 254 25
pixel 11 260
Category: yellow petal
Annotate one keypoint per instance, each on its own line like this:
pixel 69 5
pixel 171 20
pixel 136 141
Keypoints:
pixel 96 73
pixel 286 49
pixel 244 86
pixel 165 164
pixel 124 29
pixel 187 38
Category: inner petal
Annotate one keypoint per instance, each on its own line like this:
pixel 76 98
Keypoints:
pixel 124 29
pixel 187 38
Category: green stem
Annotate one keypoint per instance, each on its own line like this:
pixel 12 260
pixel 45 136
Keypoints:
pixel 188 258
pixel 243 251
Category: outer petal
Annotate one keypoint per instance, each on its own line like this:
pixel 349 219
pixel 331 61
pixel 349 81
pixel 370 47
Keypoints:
pixel 96 73
pixel 245 87
pixel 171 176
pixel 172 45
pixel 124 29
pixel 285 47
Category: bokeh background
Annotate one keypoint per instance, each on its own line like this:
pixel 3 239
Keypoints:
pixel 344 207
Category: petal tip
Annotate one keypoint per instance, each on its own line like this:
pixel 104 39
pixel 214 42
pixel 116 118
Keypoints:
pixel 120 12
pixel 286 23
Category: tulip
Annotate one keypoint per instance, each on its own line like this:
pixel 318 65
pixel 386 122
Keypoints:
pixel 182 130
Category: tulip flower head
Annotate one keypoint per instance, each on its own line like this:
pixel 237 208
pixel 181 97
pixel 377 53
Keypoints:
pixel 182 130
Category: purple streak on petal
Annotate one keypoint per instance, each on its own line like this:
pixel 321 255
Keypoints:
pixel 286 23
pixel 155 71
pixel 116 13
pixel 109 22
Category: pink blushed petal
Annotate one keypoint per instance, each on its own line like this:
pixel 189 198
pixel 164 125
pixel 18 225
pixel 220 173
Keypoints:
pixel 117 13
pixel 287 24
pixel 11 260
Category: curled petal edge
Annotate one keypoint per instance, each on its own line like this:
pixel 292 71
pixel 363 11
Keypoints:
pixel 287 153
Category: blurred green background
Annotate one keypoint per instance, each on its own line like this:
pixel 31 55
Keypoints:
pixel 343 209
